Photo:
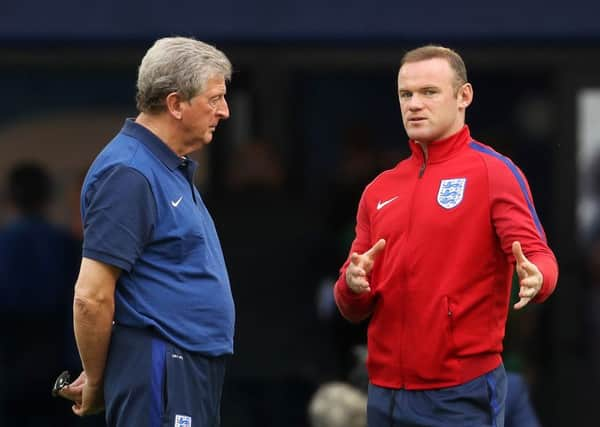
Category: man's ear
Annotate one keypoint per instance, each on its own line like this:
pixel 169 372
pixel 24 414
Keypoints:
pixel 173 102
pixel 465 95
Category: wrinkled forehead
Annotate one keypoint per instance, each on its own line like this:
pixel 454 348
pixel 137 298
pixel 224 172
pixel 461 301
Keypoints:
pixel 215 84
pixel 434 72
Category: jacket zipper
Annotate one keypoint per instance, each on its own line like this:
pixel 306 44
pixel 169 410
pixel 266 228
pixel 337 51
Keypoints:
pixel 404 271
pixel 425 158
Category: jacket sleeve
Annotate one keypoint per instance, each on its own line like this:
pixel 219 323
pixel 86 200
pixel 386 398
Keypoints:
pixel 355 307
pixel 515 219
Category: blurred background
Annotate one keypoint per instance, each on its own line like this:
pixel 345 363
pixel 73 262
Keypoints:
pixel 314 117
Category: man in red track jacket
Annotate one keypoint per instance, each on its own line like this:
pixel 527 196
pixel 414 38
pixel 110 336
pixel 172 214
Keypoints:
pixel 437 241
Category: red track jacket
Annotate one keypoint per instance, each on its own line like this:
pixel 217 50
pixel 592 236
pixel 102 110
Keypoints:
pixel 440 288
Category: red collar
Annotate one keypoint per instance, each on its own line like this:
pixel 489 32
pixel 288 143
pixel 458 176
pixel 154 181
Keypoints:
pixel 442 149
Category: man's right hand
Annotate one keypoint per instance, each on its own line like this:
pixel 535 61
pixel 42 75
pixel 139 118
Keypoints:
pixel 73 391
pixel 92 400
pixel 360 266
pixel 87 399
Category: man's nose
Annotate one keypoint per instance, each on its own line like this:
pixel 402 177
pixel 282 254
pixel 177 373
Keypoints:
pixel 415 102
pixel 223 109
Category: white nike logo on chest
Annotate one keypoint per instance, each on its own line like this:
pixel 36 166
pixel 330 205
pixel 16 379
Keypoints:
pixel 175 204
pixel 381 204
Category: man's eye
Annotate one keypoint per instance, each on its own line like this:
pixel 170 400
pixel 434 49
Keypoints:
pixel 405 95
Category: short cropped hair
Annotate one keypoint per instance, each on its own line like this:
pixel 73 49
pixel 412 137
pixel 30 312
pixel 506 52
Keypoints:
pixel 177 64
pixel 433 51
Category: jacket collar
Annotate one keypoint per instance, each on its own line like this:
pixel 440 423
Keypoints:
pixel 440 150
pixel 156 145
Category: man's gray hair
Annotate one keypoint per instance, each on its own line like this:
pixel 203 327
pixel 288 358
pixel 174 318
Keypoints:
pixel 177 64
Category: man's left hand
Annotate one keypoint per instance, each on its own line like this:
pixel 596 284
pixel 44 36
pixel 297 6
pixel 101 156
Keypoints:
pixel 530 277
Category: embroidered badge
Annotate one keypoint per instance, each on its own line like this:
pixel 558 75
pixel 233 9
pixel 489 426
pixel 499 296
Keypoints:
pixel 451 192
pixel 183 421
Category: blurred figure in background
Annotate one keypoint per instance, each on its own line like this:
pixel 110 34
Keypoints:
pixel 521 362
pixel 592 304
pixel 268 235
pixel 357 165
pixel 519 408
pixel 338 404
pixel 344 403
pixel 38 265
pixel 591 247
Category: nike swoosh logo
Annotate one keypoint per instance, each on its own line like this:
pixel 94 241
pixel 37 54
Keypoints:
pixel 175 204
pixel 381 204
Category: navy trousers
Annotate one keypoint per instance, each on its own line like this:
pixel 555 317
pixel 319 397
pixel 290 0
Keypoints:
pixel 151 383
pixel 477 403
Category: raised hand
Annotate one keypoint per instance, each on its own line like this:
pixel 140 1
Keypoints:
pixel 360 266
pixel 530 277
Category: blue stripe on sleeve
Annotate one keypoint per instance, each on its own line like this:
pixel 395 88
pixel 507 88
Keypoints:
pixel 520 180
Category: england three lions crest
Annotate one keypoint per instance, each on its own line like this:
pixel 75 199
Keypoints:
pixel 183 421
pixel 451 192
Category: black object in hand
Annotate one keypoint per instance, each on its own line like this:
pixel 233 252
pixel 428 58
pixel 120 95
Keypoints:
pixel 63 380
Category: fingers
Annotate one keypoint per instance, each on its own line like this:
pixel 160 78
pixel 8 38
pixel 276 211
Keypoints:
pixel 521 303
pixel 74 390
pixel 360 286
pixel 525 268
pixel 71 393
pixel 356 266
pixel 530 286
pixel 76 408
pixel 360 266
pixel 356 278
pixel 530 283
pixel 518 253
pixel 81 410
pixel 530 277
pixel 526 294
pixel 92 402
pixel 528 269
pixel 376 249
pixel 80 380
pixel 521 272
pixel 366 260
